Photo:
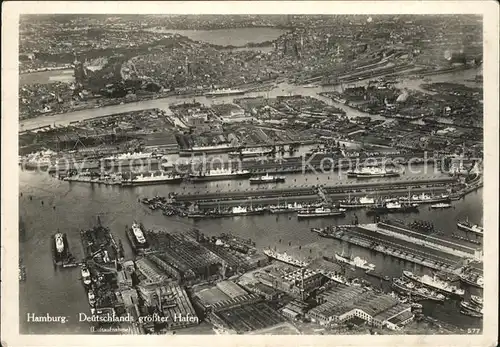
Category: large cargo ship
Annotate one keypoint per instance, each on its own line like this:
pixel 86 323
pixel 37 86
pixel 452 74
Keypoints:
pixel 408 288
pixel 288 208
pixel 285 258
pixel 320 212
pixel 267 179
pixel 207 149
pixel 251 152
pixel 426 199
pixel 356 262
pixel 372 172
pixel 152 179
pixel 435 283
pixel 220 174
pixel 233 212
pixel 132 156
pixel 393 207
pixel 224 92
pixel 467 226
pixel 358 203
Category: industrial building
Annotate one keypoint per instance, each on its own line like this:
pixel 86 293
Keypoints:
pixel 343 303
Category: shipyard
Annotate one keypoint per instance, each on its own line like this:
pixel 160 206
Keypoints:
pixel 325 180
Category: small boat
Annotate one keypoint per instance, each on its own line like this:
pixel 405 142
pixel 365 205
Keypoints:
pixel 470 307
pixel 477 300
pixel 471 313
pixel 86 275
pixel 416 306
pixel 441 205
pixel 91 297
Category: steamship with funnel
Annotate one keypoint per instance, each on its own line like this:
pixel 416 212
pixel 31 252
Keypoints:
pixel 372 172
pixel 220 174
pixel 285 258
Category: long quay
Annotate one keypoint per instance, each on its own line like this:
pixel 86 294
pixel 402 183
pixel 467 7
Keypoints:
pixel 400 185
pixel 396 250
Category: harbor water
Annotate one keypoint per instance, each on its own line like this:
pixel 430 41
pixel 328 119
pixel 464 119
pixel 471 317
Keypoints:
pixel 47 205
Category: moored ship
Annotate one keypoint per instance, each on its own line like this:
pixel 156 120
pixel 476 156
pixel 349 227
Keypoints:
pixel 356 262
pixel 393 207
pixel 372 172
pixel 472 279
pixel 136 237
pixel 152 179
pixel 320 212
pixel 215 148
pixel 409 288
pixel 267 179
pixel 441 205
pixel 224 92
pixel 470 307
pixel 232 212
pixel 286 208
pixel 220 174
pixel 285 258
pixel 426 199
pixel 358 203
pixel 132 156
pixel 435 283
pixel 467 226
pixel 376 274
pixel 476 300
pixel 60 251
pixel 86 278
pixel 251 152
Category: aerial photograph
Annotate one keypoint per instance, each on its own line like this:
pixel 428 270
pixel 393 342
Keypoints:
pixel 250 174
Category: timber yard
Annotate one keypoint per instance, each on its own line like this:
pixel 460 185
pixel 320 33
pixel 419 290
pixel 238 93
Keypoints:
pixel 163 193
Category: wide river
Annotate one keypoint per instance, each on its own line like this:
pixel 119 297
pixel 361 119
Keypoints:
pixel 277 90
pixel 48 205
pixel 70 207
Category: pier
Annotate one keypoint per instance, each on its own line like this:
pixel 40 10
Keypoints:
pixel 396 249
pixel 336 191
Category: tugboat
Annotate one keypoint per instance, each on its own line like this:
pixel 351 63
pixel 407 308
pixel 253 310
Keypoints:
pixel 267 179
